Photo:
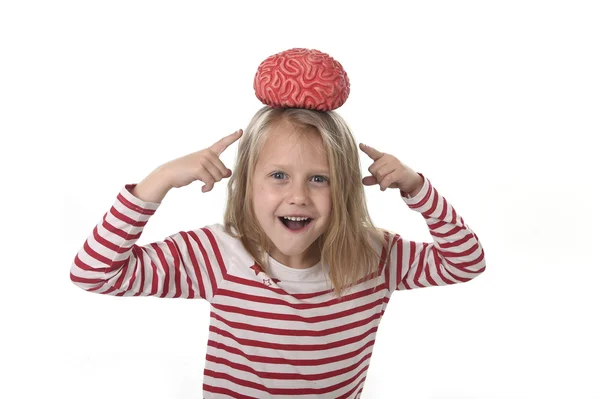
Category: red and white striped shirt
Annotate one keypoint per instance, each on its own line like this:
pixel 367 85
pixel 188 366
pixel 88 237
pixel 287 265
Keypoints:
pixel 275 333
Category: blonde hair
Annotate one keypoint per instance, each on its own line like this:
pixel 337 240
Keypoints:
pixel 346 245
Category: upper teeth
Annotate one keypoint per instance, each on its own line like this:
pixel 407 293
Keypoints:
pixel 295 218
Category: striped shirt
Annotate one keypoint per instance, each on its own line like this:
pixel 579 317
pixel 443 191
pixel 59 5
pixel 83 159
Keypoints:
pixel 279 332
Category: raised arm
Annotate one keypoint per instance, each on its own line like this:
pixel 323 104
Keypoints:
pixel 185 265
pixel 455 255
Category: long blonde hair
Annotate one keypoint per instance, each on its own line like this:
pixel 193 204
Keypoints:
pixel 346 245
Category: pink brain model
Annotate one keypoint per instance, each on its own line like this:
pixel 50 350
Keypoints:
pixel 301 78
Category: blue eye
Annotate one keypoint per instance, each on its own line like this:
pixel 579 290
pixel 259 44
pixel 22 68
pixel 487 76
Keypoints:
pixel 325 180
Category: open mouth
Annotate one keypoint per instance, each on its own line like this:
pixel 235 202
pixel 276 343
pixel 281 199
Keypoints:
pixel 295 226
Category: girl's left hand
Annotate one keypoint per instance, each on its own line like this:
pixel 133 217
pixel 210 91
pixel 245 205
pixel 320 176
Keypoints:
pixel 389 172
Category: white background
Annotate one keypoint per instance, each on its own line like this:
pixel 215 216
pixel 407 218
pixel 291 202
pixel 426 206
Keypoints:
pixel 496 102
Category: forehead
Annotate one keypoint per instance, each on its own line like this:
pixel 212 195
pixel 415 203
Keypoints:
pixel 288 145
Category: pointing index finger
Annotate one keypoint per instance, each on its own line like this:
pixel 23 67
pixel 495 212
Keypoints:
pixel 371 152
pixel 226 141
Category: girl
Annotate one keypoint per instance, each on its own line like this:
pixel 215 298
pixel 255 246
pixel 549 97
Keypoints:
pixel 297 276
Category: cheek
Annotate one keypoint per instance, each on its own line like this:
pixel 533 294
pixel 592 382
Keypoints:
pixel 265 199
pixel 326 204
pixel 268 193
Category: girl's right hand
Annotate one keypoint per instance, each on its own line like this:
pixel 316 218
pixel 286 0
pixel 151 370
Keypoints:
pixel 203 165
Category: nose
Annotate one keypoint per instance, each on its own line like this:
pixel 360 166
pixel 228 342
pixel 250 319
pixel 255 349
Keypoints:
pixel 298 193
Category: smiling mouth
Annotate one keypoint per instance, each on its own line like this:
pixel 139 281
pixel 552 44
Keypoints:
pixel 295 226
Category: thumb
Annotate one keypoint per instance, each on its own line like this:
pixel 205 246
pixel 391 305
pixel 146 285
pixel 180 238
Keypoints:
pixel 369 180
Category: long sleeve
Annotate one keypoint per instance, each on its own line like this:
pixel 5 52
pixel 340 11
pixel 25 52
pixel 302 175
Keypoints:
pixel 185 265
pixel 454 256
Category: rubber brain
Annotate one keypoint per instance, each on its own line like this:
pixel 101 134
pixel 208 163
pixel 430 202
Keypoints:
pixel 301 78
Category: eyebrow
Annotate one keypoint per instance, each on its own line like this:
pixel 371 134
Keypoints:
pixel 288 166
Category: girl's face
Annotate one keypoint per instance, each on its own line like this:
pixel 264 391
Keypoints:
pixel 292 178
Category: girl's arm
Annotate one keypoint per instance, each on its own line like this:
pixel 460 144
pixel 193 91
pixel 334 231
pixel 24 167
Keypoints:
pixel 185 265
pixel 455 255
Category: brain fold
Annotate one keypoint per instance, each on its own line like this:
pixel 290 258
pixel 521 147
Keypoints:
pixel 302 78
